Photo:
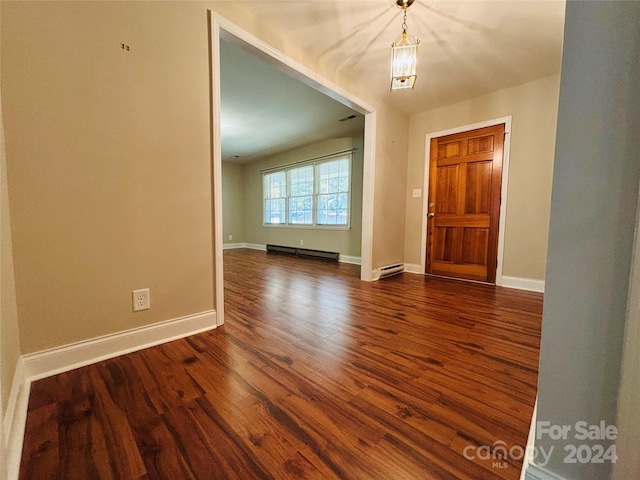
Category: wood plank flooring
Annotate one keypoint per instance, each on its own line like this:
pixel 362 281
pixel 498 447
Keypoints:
pixel 314 375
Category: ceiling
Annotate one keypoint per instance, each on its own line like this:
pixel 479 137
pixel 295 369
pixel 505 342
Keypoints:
pixel 265 111
pixel 467 49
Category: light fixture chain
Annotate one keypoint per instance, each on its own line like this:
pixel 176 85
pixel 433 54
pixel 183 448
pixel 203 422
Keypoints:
pixel 404 21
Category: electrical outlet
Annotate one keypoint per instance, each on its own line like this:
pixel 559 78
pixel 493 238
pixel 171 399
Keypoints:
pixel 141 300
pixel 230 237
pixel 417 193
pixel 301 242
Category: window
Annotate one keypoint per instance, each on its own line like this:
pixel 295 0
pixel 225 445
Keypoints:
pixel 275 187
pixel 301 195
pixel 314 194
pixel 333 192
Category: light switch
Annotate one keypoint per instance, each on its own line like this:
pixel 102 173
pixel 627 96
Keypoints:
pixel 417 193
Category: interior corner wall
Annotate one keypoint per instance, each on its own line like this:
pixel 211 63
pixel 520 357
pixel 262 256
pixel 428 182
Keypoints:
pixel 9 331
pixel 346 242
pixel 233 202
pixel 109 164
pixel 593 219
pixel 533 107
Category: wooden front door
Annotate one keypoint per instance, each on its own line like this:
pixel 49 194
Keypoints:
pixel 465 179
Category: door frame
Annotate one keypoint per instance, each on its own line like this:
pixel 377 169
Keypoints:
pixel 222 29
pixel 503 191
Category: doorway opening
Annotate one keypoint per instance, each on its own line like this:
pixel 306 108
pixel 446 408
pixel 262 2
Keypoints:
pixel 221 29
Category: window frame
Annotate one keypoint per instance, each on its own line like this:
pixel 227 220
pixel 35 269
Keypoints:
pixel 265 198
pixel 290 195
pixel 314 197
pixel 327 194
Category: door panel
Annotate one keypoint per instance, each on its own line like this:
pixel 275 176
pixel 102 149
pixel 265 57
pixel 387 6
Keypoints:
pixel 465 180
pixel 444 243
pixel 478 194
pixel 447 189
pixel 480 144
pixel 475 240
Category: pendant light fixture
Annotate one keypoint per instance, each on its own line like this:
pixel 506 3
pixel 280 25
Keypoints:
pixel 404 54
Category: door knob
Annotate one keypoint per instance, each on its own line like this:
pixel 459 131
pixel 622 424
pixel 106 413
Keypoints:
pixel 431 215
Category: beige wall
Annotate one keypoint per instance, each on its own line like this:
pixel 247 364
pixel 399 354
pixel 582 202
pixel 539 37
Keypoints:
pixel 390 183
pixel 233 202
pixel 108 158
pixel 534 108
pixel 346 242
pixel 108 162
pixel 9 334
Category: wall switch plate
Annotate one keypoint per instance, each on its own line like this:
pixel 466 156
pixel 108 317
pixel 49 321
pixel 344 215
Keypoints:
pixel 417 193
pixel 141 300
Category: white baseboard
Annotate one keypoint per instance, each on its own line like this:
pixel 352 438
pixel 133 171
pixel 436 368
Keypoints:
pixel 413 268
pixel 523 283
pixel 15 419
pixel 535 472
pixel 251 246
pixel 350 259
pixel 62 359
pixel 255 246
pixel 231 246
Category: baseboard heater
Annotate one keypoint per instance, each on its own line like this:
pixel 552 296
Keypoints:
pixel 390 270
pixel 304 252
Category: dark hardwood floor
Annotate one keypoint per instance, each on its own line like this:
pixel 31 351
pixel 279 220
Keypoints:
pixel 314 375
